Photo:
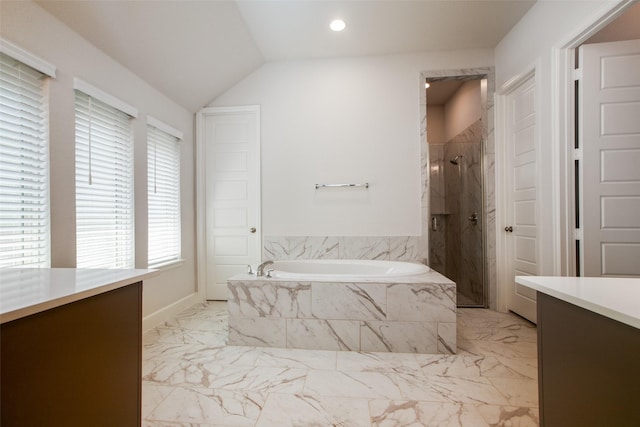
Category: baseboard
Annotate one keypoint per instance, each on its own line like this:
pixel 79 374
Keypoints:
pixel 159 317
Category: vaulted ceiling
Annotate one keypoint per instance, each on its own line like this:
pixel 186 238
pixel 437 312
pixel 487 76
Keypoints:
pixel 194 50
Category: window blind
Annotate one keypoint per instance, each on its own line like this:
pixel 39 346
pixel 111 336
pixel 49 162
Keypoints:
pixel 24 166
pixel 164 196
pixel 104 185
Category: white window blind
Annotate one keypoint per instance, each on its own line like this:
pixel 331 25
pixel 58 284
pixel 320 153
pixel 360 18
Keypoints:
pixel 24 166
pixel 104 185
pixel 164 195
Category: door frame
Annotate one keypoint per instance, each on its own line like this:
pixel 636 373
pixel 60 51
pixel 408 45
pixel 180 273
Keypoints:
pixel 201 199
pixel 563 124
pixel 488 181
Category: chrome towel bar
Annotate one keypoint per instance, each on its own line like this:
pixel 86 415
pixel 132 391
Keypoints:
pixel 365 185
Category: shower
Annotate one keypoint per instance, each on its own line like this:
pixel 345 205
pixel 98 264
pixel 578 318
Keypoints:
pixel 456 193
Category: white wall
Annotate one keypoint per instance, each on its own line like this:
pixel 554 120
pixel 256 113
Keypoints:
pixel 463 109
pixel 346 120
pixel 30 27
pixel 529 45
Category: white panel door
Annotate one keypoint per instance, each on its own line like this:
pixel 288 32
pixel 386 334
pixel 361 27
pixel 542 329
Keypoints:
pixel 232 193
pixel 610 131
pixel 521 196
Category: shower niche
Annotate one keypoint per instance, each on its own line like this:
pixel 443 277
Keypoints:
pixel 455 138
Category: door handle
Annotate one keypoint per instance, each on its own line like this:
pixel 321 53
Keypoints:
pixel 509 229
pixel 252 230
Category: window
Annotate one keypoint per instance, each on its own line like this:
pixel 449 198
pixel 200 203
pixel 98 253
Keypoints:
pixel 104 181
pixel 163 148
pixel 24 165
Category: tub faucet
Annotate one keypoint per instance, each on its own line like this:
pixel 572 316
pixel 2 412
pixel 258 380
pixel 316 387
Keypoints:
pixel 260 269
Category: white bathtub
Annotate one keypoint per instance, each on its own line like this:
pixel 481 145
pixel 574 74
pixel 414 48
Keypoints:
pixel 345 269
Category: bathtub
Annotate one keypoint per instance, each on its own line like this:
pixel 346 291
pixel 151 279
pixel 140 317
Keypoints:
pixel 345 305
pixel 345 270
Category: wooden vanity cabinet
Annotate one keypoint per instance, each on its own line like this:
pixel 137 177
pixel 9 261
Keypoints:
pixel 588 367
pixel 78 364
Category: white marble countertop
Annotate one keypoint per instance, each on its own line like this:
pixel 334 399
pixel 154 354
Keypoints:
pixel 27 291
pixel 615 298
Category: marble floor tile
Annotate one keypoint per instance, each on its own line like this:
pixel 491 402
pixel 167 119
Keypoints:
pixel 176 373
pixel 171 351
pixel 432 414
pixel 382 362
pixel 222 407
pixel 507 331
pixel 415 413
pixel 224 356
pixel 148 423
pixel 525 366
pixel 519 392
pixel 206 317
pixel 294 410
pixel 263 379
pixel 192 378
pixel 498 349
pixel 369 385
pixel 295 358
pixel 152 396
pixel 509 416
pixel 199 323
pixel 467 366
pixel 477 390
pixel 184 336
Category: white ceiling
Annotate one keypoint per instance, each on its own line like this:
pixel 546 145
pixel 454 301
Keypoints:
pixel 194 50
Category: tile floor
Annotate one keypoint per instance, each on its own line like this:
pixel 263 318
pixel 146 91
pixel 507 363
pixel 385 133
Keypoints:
pixel 191 378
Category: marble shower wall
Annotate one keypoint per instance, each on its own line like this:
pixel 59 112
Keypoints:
pixel 463 237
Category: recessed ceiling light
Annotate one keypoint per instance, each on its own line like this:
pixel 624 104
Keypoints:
pixel 338 25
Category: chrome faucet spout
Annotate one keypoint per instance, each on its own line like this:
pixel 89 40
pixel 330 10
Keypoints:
pixel 260 269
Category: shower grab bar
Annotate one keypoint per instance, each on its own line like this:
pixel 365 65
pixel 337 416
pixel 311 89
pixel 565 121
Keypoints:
pixel 365 185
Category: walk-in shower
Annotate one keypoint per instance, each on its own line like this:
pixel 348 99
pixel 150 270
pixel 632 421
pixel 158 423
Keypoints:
pixel 455 135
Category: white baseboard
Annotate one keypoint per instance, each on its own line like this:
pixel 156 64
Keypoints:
pixel 159 317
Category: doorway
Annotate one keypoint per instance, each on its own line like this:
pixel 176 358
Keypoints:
pixel 228 195
pixel 457 215
pixel 592 237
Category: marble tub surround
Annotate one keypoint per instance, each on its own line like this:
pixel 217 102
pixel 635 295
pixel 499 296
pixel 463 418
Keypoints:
pixel 490 382
pixel 394 248
pixel 417 315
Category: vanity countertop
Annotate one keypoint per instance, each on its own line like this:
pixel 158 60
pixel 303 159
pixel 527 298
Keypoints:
pixel 615 298
pixel 27 291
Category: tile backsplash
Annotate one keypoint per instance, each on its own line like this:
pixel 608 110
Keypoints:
pixel 393 248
